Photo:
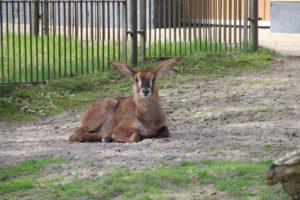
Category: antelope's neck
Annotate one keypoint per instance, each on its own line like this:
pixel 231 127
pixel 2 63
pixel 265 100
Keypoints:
pixel 149 109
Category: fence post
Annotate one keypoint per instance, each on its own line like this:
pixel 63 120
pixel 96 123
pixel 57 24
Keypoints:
pixel 142 30
pixel 133 32
pixel 124 34
pixel 254 24
pixel 46 17
pixel 36 17
pixel 70 19
pixel 246 25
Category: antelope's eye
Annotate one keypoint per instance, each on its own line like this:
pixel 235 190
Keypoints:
pixel 153 80
pixel 136 80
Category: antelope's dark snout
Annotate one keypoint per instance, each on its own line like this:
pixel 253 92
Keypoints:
pixel 146 91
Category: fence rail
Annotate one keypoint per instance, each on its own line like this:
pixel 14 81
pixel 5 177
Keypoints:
pixel 45 39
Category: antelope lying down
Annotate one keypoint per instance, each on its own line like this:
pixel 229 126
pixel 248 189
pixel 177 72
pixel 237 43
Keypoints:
pixel 127 119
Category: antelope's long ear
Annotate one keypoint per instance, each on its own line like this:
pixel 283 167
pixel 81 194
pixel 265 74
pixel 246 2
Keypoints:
pixel 123 68
pixel 165 66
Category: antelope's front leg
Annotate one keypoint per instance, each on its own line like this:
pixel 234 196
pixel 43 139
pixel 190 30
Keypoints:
pixel 163 132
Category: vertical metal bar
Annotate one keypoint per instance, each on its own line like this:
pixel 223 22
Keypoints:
pixel 70 36
pixel 195 24
pixel 210 23
pixel 69 18
pixel 98 35
pixel 149 29
pixel 19 42
pixel 46 16
pixel 225 24
pixel 206 23
pixel 65 38
pixel 37 55
pixel 119 31
pixel 143 29
pixel 235 24
pixel 81 35
pixel 8 41
pixel 54 17
pixel 240 23
pixel 76 37
pixel 124 34
pixel 36 15
pixel 108 33
pixel 174 26
pixel 92 34
pixel 30 32
pixel 230 25
pixel 53 37
pixel 13 44
pixel 201 22
pixel 133 31
pixel 216 24
pixel 190 24
pixel 59 41
pixel 249 20
pixel 170 26
pixel 165 24
pixel 42 50
pixel 245 25
pixel 87 36
pixel 254 24
pixel 220 24
pixel 48 39
pixel 184 24
pixel 179 25
pixel 114 32
pixel 1 43
pixel 159 27
pixel 103 35
pixel 155 28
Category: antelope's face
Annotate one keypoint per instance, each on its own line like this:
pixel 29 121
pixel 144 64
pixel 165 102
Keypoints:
pixel 144 83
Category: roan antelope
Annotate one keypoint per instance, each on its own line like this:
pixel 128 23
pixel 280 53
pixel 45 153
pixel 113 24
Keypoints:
pixel 128 119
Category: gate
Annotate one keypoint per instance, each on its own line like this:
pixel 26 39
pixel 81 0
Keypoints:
pixel 45 39
pixel 181 27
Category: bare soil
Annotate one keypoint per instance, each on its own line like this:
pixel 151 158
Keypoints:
pixel 249 117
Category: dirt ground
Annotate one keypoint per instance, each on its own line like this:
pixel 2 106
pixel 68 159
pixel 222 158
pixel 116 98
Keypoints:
pixel 249 117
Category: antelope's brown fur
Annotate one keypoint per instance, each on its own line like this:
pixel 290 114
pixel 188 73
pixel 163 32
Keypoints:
pixel 127 119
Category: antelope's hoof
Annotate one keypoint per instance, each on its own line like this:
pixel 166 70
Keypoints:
pixel 72 138
pixel 106 140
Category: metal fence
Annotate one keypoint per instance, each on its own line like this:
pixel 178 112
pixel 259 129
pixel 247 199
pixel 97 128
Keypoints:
pixel 45 39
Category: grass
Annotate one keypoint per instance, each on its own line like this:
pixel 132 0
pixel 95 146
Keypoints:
pixel 22 176
pixel 238 180
pixel 29 102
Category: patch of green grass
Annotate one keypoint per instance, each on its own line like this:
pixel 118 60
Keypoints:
pixel 241 180
pixel 21 176
pixel 221 63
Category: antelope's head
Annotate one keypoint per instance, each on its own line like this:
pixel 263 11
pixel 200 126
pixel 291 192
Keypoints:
pixel 144 80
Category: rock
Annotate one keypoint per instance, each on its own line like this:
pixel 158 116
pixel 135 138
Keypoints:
pixel 287 171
